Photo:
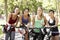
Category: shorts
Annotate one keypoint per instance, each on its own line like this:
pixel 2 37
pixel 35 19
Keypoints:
pixel 55 31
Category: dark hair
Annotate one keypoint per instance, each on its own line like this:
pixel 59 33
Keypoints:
pixel 24 10
pixel 28 15
pixel 40 7
pixel 51 11
pixel 14 9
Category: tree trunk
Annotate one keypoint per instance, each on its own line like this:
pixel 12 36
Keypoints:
pixel 5 8
pixel 59 9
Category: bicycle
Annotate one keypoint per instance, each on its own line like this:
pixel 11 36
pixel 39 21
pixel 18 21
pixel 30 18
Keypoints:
pixel 47 31
pixel 32 33
pixel 22 30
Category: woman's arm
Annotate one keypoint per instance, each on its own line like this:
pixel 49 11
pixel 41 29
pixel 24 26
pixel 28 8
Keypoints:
pixel 28 25
pixel 56 21
pixel 20 19
pixel 8 18
pixel 46 22
pixel 16 24
pixel 29 19
pixel 33 20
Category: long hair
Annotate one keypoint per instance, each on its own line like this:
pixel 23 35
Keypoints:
pixel 51 11
pixel 24 10
pixel 42 10
pixel 14 9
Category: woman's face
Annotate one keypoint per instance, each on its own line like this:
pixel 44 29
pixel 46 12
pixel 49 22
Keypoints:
pixel 51 14
pixel 26 12
pixel 39 11
pixel 16 10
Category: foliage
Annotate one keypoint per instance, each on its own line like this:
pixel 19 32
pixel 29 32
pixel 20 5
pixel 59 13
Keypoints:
pixel 31 4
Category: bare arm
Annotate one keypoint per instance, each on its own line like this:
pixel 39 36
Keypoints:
pixel 33 20
pixel 20 19
pixel 45 21
pixel 9 15
pixel 28 25
pixel 56 23
pixel 29 19
pixel 16 24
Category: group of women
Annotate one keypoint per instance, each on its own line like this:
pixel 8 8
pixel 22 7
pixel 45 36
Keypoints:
pixel 38 21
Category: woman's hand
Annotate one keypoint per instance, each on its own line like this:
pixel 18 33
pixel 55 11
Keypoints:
pixel 27 25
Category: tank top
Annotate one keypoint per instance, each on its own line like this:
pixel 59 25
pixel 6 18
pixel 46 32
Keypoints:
pixel 51 23
pixel 38 24
pixel 11 21
pixel 25 21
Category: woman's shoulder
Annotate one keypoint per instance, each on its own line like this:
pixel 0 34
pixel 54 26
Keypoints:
pixel 56 17
pixel 20 16
pixel 9 14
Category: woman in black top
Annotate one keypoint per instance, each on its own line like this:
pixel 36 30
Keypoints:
pixel 53 21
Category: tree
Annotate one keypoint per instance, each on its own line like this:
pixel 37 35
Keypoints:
pixel 31 4
pixel 5 8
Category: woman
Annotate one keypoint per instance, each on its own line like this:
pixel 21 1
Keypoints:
pixel 38 22
pixel 25 19
pixel 53 22
pixel 12 21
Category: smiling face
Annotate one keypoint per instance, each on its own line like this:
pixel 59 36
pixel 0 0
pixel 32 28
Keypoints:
pixel 51 13
pixel 26 12
pixel 16 10
pixel 39 11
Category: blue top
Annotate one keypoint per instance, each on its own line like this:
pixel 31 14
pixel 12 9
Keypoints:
pixel 25 21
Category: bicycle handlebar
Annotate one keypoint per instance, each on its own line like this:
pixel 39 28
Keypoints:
pixel 2 25
pixel 41 28
pixel 30 28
